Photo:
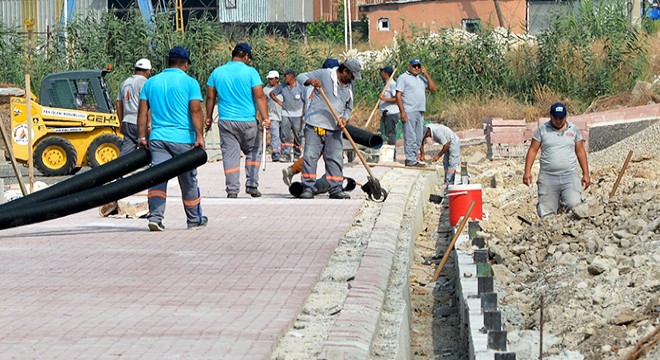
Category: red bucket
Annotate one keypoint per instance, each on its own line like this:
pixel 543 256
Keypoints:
pixel 460 197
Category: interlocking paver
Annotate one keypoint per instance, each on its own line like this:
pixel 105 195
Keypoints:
pixel 85 287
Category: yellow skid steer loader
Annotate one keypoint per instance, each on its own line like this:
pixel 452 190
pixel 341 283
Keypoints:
pixel 73 123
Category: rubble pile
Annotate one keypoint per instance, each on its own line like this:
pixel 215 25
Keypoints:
pixel 596 267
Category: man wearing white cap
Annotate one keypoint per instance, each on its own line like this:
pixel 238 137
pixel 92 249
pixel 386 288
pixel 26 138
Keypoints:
pixel 128 100
pixel 275 114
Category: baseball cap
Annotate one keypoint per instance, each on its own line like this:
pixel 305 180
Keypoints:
pixel 289 72
pixel 143 64
pixel 330 63
pixel 558 110
pixel 388 70
pixel 273 75
pixel 179 52
pixel 353 65
pixel 244 47
pixel 415 61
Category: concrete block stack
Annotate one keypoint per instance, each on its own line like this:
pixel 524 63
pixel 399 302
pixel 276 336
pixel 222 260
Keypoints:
pixel 505 138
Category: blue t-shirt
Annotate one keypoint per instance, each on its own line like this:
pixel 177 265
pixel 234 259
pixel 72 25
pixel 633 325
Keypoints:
pixel 233 82
pixel 169 94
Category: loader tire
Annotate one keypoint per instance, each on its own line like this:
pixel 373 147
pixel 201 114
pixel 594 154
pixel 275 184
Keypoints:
pixel 103 149
pixel 55 156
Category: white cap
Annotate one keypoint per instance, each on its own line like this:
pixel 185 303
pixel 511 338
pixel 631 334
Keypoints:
pixel 143 64
pixel 273 74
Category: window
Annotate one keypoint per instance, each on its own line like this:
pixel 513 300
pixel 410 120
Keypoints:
pixel 471 25
pixel 383 24
pixel 230 4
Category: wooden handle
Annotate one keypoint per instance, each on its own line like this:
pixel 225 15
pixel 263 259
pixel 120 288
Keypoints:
pixel 17 172
pixel 453 241
pixel 366 126
pixel 623 169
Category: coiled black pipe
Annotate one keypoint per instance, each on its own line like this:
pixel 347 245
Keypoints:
pixel 364 137
pixel 87 180
pixel 322 186
pixel 90 198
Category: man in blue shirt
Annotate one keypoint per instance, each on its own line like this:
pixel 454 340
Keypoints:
pixel 177 125
pixel 238 87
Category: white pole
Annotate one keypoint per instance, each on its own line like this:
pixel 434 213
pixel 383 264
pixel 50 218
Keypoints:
pixel 350 25
pixel 345 27
pixel 65 17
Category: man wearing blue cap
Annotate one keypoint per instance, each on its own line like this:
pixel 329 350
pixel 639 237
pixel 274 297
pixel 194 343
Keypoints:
pixel 292 113
pixel 238 88
pixel 388 106
pixel 177 125
pixel 562 147
pixel 411 99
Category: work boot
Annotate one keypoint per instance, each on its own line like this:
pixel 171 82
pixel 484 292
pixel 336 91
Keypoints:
pixel 340 195
pixel 232 196
pixel 287 176
pixel 307 194
pixel 253 191
pixel 203 222
pixel 156 226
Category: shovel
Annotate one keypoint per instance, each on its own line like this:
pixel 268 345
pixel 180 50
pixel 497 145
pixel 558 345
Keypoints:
pixel 372 187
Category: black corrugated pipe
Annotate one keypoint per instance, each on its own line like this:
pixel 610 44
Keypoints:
pixel 87 199
pixel 87 180
pixel 322 186
pixel 364 137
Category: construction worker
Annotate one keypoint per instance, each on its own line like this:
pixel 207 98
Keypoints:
pixel 296 167
pixel 238 87
pixel 177 126
pixel 451 149
pixel 128 100
pixel 562 147
pixel 275 115
pixel 388 106
pixel 323 133
pixel 293 94
pixel 411 89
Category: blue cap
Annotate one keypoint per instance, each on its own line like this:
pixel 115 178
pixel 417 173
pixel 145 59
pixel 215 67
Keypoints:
pixel 388 70
pixel 179 52
pixel 330 63
pixel 415 61
pixel 289 72
pixel 558 110
pixel 244 47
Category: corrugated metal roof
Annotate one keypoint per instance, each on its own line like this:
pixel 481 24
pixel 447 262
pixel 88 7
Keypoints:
pixel 48 13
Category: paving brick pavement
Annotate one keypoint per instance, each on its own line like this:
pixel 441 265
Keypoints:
pixel 86 287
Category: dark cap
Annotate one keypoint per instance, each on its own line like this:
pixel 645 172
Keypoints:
pixel 289 72
pixel 558 110
pixel 415 61
pixel 179 52
pixel 388 70
pixel 353 65
pixel 244 47
pixel 330 63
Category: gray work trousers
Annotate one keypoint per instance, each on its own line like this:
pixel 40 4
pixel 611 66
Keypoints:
pixel 558 189
pixel 388 125
pixel 331 147
pixel 275 141
pixel 291 124
pixel 240 136
pixel 162 151
pixel 413 133
pixel 130 138
pixel 452 161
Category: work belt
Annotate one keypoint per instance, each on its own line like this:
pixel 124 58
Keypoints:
pixel 319 131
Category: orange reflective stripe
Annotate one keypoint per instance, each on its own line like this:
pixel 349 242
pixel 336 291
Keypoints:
pixel 336 178
pixel 232 170
pixel 191 203
pixel 308 176
pixel 157 193
pixel 252 163
pixel 287 144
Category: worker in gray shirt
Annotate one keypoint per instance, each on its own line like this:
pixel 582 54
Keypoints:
pixel 388 106
pixel 322 132
pixel 275 114
pixel 411 99
pixel 293 94
pixel 562 147
pixel 128 101
pixel 451 149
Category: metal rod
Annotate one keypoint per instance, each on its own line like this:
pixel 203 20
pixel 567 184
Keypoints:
pixel 453 241
pixel 623 169
pixel 541 331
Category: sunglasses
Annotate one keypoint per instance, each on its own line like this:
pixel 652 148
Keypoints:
pixel 417 66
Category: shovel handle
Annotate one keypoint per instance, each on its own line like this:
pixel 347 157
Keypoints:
pixel 346 133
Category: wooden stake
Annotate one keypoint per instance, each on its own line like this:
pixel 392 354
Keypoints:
pixel 541 331
pixel 453 241
pixel 28 122
pixel 14 165
pixel 623 169
pixel 366 126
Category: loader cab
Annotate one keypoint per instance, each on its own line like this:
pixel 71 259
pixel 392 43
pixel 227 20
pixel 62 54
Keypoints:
pixel 77 90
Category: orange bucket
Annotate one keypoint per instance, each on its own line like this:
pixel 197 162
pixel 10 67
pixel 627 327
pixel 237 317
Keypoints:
pixel 460 197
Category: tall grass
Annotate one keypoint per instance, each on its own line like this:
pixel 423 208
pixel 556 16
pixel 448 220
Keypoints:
pixel 587 54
